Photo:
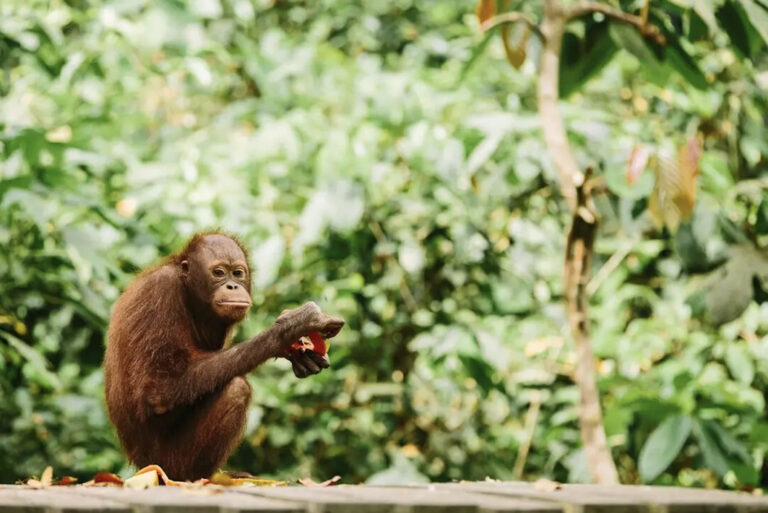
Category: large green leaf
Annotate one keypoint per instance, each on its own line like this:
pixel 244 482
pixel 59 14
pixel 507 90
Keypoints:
pixel 675 55
pixel 584 58
pixel 680 61
pixel 714 456
pixel 729 289
pixel 663 446
pixel 735 23
pixel 631 40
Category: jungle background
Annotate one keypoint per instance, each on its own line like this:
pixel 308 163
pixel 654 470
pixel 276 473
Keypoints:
pixel 386 160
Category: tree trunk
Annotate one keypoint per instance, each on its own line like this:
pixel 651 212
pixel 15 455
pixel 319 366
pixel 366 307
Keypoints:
pixel 578 256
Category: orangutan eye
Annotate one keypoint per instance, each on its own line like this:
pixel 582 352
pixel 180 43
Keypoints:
pixel 238 273
pixel 219 272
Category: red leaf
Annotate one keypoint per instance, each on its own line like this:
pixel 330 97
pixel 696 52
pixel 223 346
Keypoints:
pixel 65 481
pixel 106 477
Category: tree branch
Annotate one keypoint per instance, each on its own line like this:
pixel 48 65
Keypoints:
pixel 578 263
pixel 585 7
pixel 553 26
pixel 511 17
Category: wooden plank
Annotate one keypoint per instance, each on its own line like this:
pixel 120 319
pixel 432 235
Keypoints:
pixel 685 500
pixel 486 503
pixel 378 499
pixel 485 497
pixel 58 500
pixel 570 502
pixel 10 503
pixel 636 499
pixel 319 499
pixel 171 499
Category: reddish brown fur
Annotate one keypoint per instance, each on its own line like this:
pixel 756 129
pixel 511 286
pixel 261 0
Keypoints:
pixel 176 397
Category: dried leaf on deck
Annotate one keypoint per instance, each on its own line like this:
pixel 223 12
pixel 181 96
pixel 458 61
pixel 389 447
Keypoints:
pixel 228 479
pixel 65 481
pixel 142 481
pixel 545 485
pixel 307 481
pixel 161 475
pixel 45 480
pixel 107 478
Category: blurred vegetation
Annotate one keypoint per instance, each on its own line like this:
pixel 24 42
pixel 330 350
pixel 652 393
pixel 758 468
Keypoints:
pixel 374 160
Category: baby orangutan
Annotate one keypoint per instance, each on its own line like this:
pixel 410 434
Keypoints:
pixel 176 397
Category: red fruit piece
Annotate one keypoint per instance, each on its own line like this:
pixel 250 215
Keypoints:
pixel 318 343
pixel 315 343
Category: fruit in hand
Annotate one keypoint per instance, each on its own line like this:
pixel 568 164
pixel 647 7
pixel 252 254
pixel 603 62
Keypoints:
pixel 315 343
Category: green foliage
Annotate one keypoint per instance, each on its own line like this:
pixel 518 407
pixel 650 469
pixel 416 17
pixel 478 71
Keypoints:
pixel 333 138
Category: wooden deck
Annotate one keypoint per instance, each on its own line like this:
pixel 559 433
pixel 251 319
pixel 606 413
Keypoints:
pixel 482 497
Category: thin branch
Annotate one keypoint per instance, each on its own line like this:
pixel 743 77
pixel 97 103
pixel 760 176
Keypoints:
pixel 646 29
pixel 644 11
pixel 607 269
pixel 530 427
pixel 511 17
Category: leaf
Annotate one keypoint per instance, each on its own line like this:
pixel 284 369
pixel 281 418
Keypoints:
pixel 735 23
pixel 142 481
pixel 45 479
pixel 581 60
pixel 674 193
pixel 477 51
pixel 740 363
pixel 515 52
pixel 162 477
pixel 107 478
pixel 729 289
pixel 485 9
pixel 630 39
pixel 757 16
pixel 728 442
pixel 663 446
pixel 705 9
pixel 238 479
pixel 714 457
pixel 307 481
pixel 37 362
pixel 545 485
pixel 637 162
pixel 761 221
pixel 680 61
